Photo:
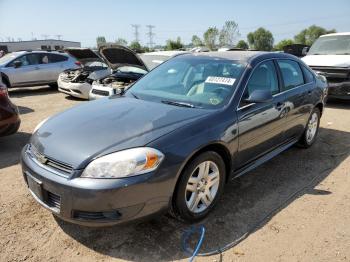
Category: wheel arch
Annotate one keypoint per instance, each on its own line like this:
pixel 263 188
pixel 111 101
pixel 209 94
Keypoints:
pixel 320 107
pixel 5 79
pixel 216 147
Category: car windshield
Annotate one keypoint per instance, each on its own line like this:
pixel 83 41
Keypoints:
pixel 331 45
pixel 191 81
pixel 8 57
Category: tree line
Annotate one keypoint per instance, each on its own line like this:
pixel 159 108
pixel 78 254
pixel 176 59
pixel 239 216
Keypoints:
pixel 229 36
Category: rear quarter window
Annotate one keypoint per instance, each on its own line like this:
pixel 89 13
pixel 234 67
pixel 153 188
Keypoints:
pixel 55 58
pixel 309 77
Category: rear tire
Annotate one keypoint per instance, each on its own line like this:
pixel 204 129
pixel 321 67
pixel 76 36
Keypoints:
pixel 199 188
pixel 311 129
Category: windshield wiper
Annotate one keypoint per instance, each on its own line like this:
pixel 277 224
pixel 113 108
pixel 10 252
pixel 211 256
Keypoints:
pixel 135 96
pixel 177 103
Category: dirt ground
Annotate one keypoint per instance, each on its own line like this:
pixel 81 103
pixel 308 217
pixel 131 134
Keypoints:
pixel 294 208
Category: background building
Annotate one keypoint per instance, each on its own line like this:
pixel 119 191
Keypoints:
pixel 48 44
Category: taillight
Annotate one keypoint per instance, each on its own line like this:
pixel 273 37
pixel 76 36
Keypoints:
pixel 77 63
pixel 3 90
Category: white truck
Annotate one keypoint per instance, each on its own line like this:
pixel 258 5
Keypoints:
pixel 330 56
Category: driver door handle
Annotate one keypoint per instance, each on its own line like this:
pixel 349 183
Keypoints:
pixel 36 68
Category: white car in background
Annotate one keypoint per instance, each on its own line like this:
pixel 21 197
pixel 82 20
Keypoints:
pixel 330 56
pixel 127 71
pixel 77 82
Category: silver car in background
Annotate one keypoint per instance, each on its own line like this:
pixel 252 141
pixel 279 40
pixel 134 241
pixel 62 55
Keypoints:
pixel 126 72
pixel 32 68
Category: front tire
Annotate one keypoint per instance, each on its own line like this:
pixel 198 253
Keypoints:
pixel 199 187
pixel 311 130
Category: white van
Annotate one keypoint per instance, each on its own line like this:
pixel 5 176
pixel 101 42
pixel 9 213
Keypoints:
pixel 330 56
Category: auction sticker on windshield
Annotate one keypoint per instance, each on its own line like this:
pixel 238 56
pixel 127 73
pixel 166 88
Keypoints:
pixel 220 80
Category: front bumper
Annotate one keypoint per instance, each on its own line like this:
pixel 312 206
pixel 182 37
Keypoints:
pixel 339 90
pixel 100 91
pixel 80 90
pixel 93 202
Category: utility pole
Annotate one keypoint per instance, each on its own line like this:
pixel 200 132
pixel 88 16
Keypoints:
pixel 136 32
pixel 58 37
pixel 150 35
pixel 45 36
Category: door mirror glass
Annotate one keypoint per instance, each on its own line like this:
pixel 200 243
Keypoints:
pixel 17 63
pixel 260 96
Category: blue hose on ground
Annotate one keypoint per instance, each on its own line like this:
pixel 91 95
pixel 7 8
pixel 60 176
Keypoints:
pixel 185 237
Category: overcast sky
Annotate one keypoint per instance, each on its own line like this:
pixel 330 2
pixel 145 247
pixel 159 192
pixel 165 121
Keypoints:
pixel 79 20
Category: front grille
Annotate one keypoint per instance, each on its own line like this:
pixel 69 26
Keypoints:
pixel 84 215
pixel 333 73
pixel 53 200
pixel 100 92
pixel 49 162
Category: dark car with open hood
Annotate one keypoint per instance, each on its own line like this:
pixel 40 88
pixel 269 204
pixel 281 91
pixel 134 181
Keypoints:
pixel 9 115
pixel 172 140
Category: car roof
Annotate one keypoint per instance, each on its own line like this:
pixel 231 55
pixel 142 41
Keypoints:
pixel 165 53
pixel 333 34
pixel 244 56
pixel 38 52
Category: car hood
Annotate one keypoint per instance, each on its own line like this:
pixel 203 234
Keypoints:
pixel 83 55
pixel 327 60
pixel 107 125
pixel 117 56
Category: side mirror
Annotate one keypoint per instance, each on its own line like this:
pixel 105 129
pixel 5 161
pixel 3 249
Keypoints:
pixel 305 50
pixel 17 64
pixel 260 96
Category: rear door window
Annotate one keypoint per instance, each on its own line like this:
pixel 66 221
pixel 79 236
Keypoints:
pixel 291 74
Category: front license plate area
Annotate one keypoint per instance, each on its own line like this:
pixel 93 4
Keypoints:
pixel 35 186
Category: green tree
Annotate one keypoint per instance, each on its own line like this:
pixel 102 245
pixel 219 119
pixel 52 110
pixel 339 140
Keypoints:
pixel 229 34
pixel 261 39
pixel 100 40
pixel 136 46
pixel 121 41
pixel 309 35
pixel 196 41
pixel 174 45
pixel 242 44
pixel 211 37
pixel 279 46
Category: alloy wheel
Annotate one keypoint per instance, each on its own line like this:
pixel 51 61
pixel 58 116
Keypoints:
pixel 202 186
pixel 312 127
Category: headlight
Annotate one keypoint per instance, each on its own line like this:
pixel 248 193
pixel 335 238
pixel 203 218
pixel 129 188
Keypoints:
pixel 39 125
pixel 130 162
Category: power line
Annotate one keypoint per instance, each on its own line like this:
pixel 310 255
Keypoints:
pixel 136 32
pixel 150 34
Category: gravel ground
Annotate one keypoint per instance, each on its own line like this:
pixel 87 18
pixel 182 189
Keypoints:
pixel 294 208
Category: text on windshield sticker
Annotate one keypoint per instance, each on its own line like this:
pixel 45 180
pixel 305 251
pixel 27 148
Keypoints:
pixel 220 80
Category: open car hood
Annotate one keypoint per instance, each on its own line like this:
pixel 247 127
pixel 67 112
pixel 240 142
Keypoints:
pixel 83 55
pixel 118 56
